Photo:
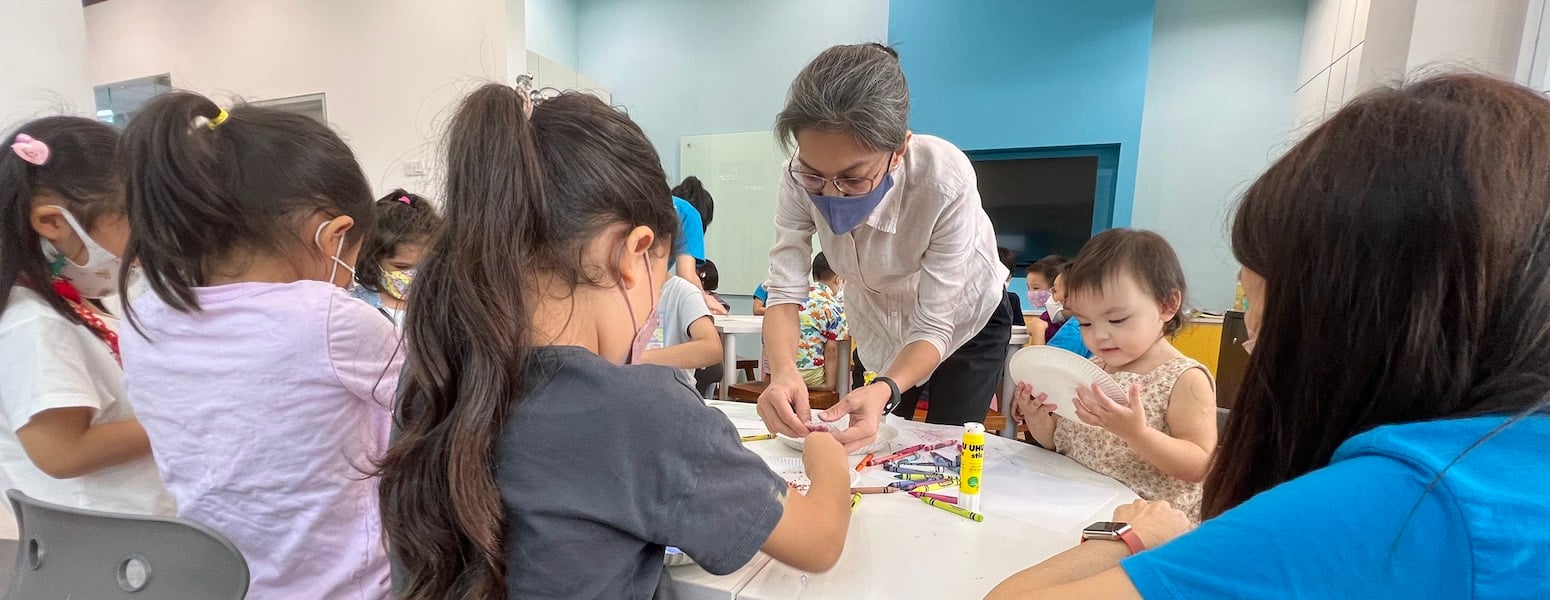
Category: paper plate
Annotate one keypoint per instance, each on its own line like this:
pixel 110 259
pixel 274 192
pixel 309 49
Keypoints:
pixel 885 434
pixel 790 469
pixel 1058 373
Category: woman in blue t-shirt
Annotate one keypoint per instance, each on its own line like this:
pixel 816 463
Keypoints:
pixel 1401 455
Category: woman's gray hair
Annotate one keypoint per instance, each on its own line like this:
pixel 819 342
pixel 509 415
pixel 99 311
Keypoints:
pixel 856 88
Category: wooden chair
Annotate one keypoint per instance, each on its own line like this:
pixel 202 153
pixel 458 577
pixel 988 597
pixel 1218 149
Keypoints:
pixel 749 392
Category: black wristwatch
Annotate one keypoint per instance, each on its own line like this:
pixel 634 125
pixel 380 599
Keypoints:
pixel 893 394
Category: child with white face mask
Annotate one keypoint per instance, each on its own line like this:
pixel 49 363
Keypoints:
pixel 266 389
pixel 69 434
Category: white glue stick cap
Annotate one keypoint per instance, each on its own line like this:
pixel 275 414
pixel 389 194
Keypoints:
pixel 974 428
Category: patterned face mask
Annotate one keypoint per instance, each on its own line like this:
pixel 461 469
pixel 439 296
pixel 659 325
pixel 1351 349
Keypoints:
pixel 396 283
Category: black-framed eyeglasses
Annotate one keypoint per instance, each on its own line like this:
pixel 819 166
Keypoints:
pixel 849 186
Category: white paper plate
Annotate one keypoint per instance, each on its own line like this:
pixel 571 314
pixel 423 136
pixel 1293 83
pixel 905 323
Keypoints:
pixel 885 434
pixel 1058 373
pixel 790 469
pixel 676 558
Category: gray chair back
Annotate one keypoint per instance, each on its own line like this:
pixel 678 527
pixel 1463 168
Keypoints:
pixel 1221 421
pixel 65 552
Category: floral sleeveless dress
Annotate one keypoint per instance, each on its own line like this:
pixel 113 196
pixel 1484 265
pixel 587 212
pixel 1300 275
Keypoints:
pixel 1106 453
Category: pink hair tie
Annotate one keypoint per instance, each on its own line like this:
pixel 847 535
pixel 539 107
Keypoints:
pixel 30 149
pixel 403 199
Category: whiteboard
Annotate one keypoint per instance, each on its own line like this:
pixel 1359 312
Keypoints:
pixel 742 172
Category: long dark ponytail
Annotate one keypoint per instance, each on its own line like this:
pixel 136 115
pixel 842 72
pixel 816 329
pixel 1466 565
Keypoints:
pixel 207 188
pixel 524 196
pixel 80 170
pixel 1404 247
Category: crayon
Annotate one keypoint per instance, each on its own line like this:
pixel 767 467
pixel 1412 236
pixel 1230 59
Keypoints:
pixel 962 512
pixel 914 468
pixel 855 500
pixel 938 497
pixel 902 454
pixel 926 486
pixel 942 461
pixel 758 437
pixel 865 462
pixel 878 489
pixel 922 476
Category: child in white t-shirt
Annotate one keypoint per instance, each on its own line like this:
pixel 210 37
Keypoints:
pixel 687 336
pixel 69 436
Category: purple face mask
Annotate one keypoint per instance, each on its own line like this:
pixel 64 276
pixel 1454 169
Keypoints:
pixel 643 332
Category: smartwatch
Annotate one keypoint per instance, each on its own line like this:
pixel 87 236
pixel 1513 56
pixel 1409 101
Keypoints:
pixel 1116 532
pixel 893 394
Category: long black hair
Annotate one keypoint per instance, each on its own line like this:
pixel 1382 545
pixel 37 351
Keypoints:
pixel 525 195
pixel 1417 219
pixel 402 218
pixel 694 192
pixel 81 170
pixel 206 191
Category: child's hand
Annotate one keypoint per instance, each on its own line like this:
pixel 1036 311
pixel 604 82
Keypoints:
pixel 823 459
pixel 1026 406
pixel 1123 420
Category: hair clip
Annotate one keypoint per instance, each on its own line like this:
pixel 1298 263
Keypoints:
pixel 405 200
pixel 30 149
pixel 219 118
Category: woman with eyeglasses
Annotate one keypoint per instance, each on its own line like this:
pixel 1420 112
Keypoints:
pixel 899 217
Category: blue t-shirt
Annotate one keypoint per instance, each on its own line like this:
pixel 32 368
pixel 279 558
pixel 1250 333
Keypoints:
pixel 1366 527
pixel 762 294
pixel 1069 337
pixel 691 231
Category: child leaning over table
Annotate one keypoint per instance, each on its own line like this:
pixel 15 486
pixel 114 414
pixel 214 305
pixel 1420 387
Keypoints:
pixel 1125 292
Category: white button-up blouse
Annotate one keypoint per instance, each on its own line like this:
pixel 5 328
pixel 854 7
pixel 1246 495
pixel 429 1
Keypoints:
pixel 922 267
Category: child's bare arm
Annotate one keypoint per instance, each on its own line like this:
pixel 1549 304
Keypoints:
pixel 702 350
pixel 1186 454
pixel 811 533
pixel 64 443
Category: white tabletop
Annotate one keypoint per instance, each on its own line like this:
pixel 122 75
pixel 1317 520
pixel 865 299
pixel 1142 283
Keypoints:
pixel 739 323
pixel 1035 505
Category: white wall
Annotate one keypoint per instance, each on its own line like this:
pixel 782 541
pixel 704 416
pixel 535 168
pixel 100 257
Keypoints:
pixel 1217 113
pixel 42 59
pixel 552 29
pixel 693 67
pixel 1332 48
pixel 1352 45
pixel 391 69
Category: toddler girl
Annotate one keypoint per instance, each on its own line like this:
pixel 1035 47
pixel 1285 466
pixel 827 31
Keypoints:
pixel 264 386
pixel 67 433
pixel 1125 290
pixel 405 224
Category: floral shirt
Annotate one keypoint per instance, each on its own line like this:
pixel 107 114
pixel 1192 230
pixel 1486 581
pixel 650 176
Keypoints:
pixel 822 320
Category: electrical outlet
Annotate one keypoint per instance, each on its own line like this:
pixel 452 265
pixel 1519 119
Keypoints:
pixel 414 168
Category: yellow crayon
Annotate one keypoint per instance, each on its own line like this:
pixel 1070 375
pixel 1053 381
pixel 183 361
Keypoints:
pixel 758 436
pixel 973 516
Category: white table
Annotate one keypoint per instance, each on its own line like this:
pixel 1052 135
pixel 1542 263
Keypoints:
pixel 729 326
pixel 1036 503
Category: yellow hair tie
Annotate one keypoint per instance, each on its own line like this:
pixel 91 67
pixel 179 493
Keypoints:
pixel 220 118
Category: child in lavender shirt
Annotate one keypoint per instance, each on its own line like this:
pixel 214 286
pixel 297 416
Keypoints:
pixel 264 387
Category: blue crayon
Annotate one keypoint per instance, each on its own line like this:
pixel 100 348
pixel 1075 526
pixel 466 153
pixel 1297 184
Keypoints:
pixel 915 469
pixel 941 461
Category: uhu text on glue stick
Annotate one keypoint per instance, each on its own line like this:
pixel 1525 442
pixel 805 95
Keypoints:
pixel 973 466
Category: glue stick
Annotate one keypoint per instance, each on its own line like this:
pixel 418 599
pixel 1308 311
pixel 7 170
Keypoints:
pixel 973 466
